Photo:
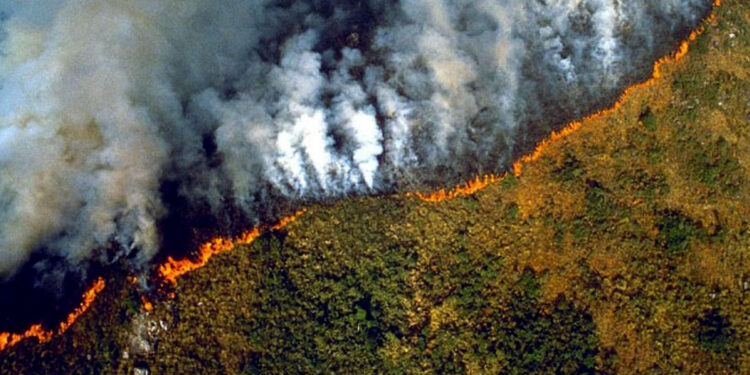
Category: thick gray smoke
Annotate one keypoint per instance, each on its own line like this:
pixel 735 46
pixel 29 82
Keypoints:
pixel 238 104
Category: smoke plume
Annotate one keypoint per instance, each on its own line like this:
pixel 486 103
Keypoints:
pixel 117 115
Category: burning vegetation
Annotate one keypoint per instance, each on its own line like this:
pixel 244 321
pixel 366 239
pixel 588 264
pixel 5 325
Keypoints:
pixel 478 183
pixel 611 238
pixel 43 335
pixel 171 269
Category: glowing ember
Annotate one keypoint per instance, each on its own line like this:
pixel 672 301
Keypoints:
pixel 147 305
pixel 468 188
pixel 37 331
pixel 554 136
pixel 172 268
pixel 478 183
pixel 285 221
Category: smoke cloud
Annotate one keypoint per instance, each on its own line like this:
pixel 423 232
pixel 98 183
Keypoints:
pixel 118 114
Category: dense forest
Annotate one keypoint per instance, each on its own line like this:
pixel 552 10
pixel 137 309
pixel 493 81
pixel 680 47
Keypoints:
pixel 623 248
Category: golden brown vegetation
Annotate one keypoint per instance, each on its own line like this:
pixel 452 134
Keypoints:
pixel 622 248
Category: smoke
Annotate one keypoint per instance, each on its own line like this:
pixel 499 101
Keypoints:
pixel 116 115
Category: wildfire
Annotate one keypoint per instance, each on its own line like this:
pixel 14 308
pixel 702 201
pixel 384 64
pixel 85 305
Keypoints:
pixel 8 339
pixel 478 183
pixel 468 188
pixel 170 270
pixel 147 305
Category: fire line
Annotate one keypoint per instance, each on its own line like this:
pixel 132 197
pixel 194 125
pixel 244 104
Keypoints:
pixel 173 269
pixel 478 183
pixel 170 270
pixel 8 339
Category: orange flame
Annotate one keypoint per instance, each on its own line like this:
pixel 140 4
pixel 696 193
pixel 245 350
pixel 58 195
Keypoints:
pixel 8 339
pixel 147 305
pixel 468 188
pixel 172 268
pixel 478 183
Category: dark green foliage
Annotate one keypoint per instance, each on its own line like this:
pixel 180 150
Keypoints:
pixel 715 166
pixel 715 332
pixel 580 229
pixel 516 332
pixel 600 204
pixel 701 46
pixel 652 186
pixel 334 321
pixel 513 212
pixel 342 319
pixel 571 169
pixel 655 156
pixel 472 204
pixel 558 339
pixel 509 182
pixel 644 184
pixel 131 305
pixel 676 230
pixel 693 86
pixel 648 119
pixel 394 285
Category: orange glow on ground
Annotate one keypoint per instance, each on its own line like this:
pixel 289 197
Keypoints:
pixel 37 331
pixel 572 127
pixel 478 183
pixel 467 188
pixel 170 270
pixel 147 305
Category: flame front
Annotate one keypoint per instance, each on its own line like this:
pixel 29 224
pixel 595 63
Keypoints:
pixel 170 270
pixel 8 339
pixel 468 188
pixel 478 183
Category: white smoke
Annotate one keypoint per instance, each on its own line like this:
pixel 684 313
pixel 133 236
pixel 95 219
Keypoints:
pixel 242 103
